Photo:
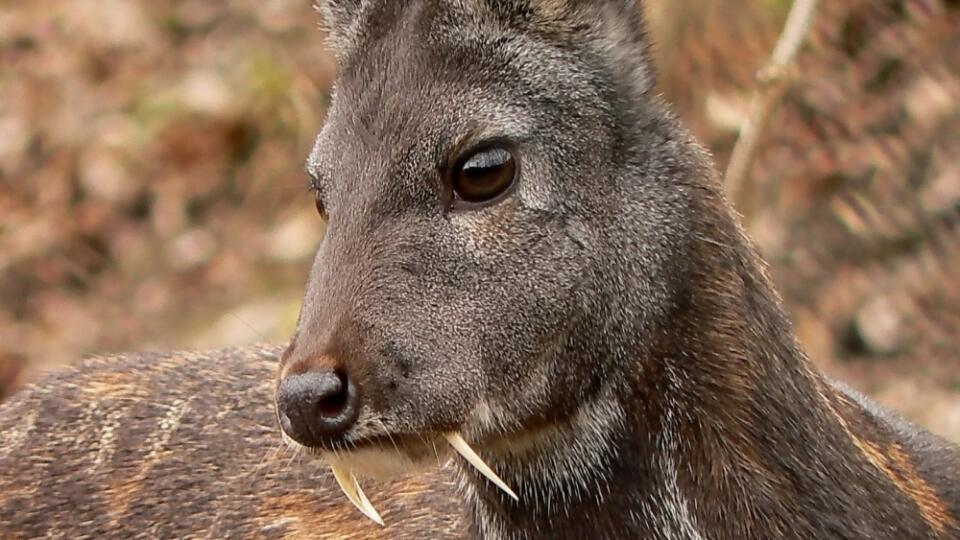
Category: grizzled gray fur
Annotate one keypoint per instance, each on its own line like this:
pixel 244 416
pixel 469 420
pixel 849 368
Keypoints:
pixel 526 247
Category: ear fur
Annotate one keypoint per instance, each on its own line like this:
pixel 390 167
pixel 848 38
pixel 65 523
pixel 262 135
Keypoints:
pixel 617 26
pixel 625 34
pixel 338 18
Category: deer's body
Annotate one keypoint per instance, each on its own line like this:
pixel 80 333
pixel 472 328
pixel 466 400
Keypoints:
pixel 525 248
pixel 183 445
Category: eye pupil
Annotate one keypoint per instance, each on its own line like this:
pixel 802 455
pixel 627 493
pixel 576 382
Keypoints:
pixel 485 175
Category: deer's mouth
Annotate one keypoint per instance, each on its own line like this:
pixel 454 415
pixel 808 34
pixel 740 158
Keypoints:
pixel 387 455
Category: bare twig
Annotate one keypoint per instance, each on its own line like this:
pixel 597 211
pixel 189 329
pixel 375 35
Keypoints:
pixel 773 80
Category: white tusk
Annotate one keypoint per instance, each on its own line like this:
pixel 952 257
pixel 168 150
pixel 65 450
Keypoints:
pixel 462 448
pixel 351 488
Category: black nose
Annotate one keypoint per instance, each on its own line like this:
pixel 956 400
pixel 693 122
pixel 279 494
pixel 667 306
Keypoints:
pixel 317 406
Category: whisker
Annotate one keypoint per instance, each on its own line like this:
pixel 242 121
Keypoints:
pixel 383 427
pixel 436 453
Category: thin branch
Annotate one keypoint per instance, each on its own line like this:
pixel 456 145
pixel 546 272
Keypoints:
pixel 773 80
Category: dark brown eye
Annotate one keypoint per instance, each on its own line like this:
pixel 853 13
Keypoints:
pixel 484 175
pixel 321 209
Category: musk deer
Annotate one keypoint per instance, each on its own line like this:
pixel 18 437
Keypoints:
pixel 529 271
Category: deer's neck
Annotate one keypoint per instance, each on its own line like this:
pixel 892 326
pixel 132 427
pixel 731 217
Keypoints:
pixel 712 434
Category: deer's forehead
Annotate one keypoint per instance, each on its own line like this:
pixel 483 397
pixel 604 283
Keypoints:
pixel 414 90
pixel 461 40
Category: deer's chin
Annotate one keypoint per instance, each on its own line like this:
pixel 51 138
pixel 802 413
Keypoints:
pixel 382 459
pixel 384 463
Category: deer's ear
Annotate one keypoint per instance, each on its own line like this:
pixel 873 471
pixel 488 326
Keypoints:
pixel 628 44
pixel 626 13
pixel 338 18
pixel 617 24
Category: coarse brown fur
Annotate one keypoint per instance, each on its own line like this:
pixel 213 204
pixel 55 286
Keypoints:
pixel 604 334
pixel 183 445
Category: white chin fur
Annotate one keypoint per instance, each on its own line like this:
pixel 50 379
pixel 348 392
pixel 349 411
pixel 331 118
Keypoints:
pixel 379 464
pixel 376 463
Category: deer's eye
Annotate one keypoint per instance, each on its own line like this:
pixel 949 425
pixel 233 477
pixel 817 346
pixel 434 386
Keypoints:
pixel 484 175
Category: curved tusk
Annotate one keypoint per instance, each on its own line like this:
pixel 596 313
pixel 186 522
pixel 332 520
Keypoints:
pixel 464 449
pixel 351 488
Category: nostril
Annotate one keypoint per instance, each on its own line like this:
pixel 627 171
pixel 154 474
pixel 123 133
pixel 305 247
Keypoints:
pixel 336 401
pixel 317 406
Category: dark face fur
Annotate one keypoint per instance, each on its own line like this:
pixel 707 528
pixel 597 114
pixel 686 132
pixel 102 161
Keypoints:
pixel 502 318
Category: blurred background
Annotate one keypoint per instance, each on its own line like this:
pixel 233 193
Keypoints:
pixel 152 194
